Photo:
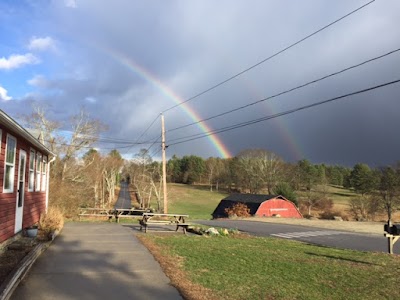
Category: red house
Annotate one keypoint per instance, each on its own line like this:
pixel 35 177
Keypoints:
pixel 24 177
pixel 259 205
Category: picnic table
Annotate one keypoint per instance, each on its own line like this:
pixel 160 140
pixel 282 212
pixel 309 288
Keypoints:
pixel 163 219
pixel 128 213
pixel 96 212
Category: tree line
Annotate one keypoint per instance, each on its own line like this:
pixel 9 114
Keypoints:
pixel 82 176
pixel 261 171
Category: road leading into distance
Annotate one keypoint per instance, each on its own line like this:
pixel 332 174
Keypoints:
pixel 124 198
pixel 312 235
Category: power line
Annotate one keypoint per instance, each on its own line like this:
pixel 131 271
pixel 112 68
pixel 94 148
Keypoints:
pixel 106 139
pixel 155 141
pixel 144 132
pixel 286 91
pixel 155 153
pixel 88 147
pixel 268 58
pixel 287 112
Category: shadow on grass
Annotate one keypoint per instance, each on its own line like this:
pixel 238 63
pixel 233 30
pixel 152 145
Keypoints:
pixel 347 195
pixel 342 258
pixel 207 188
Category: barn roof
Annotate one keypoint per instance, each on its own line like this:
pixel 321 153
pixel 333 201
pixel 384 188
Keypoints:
pixel 253 202
pixel 251 198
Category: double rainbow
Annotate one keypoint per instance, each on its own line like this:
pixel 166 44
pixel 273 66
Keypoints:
pixel 216 142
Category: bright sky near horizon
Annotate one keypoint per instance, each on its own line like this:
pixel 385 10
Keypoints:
pixel 127 61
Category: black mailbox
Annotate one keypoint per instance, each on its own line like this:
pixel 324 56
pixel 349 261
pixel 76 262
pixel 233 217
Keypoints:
pixel 394 229
pixel 386 228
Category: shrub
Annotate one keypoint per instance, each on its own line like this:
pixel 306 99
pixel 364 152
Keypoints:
pixel 331 214
pixel 239 210
pixel 50 221
pixel 324 204
pixel 364 208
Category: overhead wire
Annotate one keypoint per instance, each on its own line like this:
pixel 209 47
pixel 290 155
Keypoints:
pixel 155 141
pixel 90 147
pixel 269 57
pixel 287 112
pixel 144 132
pixel 286 91
pixel 257 64
pixel 103 139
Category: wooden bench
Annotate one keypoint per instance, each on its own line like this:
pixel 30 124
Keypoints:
pixel 96 212
pixel 166 219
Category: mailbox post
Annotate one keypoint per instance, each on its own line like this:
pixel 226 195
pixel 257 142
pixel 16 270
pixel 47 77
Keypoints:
pixel 392 232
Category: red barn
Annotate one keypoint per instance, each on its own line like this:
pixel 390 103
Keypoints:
pixel 259 205
pixel 24 178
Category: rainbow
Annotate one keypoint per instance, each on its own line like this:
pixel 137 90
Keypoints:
pixel 217 143
pixel 288 138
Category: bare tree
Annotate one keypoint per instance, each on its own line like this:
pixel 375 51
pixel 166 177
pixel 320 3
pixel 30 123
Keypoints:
pixel 257 169
pixel 389 190
pixel 85 131
pixel 215 166
pixel 146 179
pixel 94 165
pixel 73 180
pixel 43 127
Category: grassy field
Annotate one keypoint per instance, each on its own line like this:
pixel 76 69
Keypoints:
pixel 197 201
pixel 269 268
pixel 243 267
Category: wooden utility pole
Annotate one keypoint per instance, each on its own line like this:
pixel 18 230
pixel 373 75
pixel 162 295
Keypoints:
pixel 164 165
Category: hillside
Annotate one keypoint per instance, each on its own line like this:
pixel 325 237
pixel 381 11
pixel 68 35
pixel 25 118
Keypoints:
pixel 197 201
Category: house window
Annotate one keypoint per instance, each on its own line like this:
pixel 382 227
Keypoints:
pixel 10 164
pixel 38 170
pixel 44 174
pixel 31 182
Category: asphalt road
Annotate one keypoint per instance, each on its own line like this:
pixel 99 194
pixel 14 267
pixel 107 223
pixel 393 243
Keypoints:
pixel 124 199
pixel 312 235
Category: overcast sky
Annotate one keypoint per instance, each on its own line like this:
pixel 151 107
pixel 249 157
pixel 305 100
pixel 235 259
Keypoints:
pixel 126 61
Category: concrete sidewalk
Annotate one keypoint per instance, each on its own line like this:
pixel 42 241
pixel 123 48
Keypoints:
pixel 96 261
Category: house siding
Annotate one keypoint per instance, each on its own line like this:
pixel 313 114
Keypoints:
pixel 34 202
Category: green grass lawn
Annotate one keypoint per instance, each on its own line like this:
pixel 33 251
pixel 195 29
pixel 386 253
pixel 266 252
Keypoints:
pixel 197 201
pixel 269 268
pixel 340 195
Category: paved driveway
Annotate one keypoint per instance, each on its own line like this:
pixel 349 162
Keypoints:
pixel 96 261
pixel 313 235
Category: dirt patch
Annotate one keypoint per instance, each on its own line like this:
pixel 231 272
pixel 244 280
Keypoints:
pixel 10 258
pixel 178 277
pixel 352 226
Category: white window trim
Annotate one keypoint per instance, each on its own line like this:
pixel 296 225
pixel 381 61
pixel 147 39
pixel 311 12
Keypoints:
pixel 31 171
pixel 44 173
pixel 38 172
pixel 10 190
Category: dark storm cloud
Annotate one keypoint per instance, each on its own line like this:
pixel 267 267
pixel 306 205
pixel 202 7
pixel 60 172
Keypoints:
pixel 190 46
